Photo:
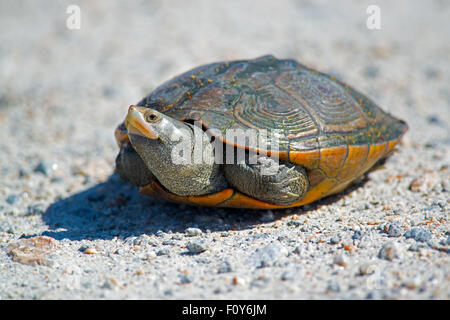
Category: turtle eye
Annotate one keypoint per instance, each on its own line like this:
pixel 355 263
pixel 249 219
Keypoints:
pixel 151 117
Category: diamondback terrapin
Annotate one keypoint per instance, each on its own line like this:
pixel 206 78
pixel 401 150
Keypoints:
pixel 306 135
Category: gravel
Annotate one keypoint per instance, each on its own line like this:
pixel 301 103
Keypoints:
pixel 186 278
pixel 390 251
pixel 335 240
pixel 192 232
pixel 418 234
pixel 394 230
pixel 340 260
pixel 333 286
pixel 288 276
pixel 267 256
pixel 197 246
pixel 357 235
pixel 63 92
pixel 368 268
pixel 225 267
pixel 163 252
pixel 45 168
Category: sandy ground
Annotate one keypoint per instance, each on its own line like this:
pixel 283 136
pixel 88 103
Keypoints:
pixel 62 93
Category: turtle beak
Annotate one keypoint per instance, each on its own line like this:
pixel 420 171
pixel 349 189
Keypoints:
pixel 136 123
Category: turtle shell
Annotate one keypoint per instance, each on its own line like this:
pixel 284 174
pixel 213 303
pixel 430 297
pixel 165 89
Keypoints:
pixel 304 116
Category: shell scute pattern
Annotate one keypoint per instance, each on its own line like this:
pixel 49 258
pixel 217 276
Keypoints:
pixel 268 93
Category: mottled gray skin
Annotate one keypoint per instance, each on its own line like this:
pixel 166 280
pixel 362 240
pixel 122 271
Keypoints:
pixel 200 177
pixel 154 157
pixel 131 168
pixel 288 185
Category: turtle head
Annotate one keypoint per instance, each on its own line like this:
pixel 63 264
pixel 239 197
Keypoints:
pixel 166 146
pixel 151 124
pixel 155 135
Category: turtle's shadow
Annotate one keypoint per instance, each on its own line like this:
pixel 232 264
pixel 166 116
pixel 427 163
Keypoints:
pixel 115 208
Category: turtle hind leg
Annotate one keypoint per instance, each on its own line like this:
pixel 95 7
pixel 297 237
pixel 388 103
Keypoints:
pixel 131 168
pixel 285 185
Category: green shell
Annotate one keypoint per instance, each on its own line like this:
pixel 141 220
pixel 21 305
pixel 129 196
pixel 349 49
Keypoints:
pixel 306 109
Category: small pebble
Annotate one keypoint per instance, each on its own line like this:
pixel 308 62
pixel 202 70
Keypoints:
pixel 375 295
pixel 393 230
pixel 413 247
pixel 83 248
pixel 90 251
pixel 225 267
pixel 341 260
pixel 168 292
pixel 431 73
pixel 288 275
pixel 446 242
pixel 36 209
pixel 149 256
pixel 335 240
pixel 371 71
pixel 112 284
pixel 357 235
pixel 163 252
pixel 267 256
pixel 238 281
pixel 298 250
pixel 441 203
pixel 34 251
pixel 186 278
pixel 143 240
pixel 294 223
pixel 24 173
pixel 131 241
pixel 160 233
pixel 413 284
pixel 260 282
pixel 139 272
pixel 56 179
pixel 350 248
pixel 424 182
pixel 418 234
pixel 333 286
pixel 192 232
pixel 109 91
pixel 389 251
pixel 12 199
pixel 196 246
pixel 219 290
pixel 45 167
pixel 177 237
pixel 367 268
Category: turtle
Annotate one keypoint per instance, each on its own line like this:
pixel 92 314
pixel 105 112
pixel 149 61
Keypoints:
pixel 310 136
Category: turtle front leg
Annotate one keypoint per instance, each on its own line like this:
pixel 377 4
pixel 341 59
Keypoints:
pixel 287 185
